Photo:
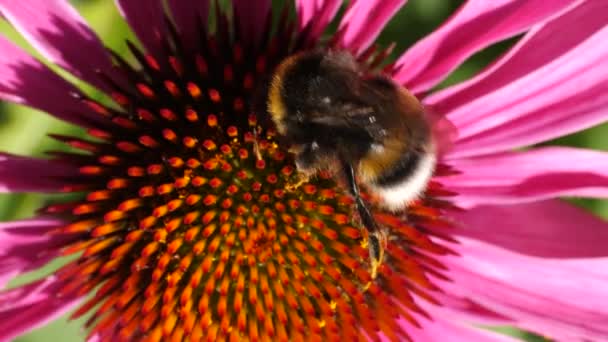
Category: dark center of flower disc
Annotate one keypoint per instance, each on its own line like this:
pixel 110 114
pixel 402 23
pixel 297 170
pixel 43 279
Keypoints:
pixel 186 234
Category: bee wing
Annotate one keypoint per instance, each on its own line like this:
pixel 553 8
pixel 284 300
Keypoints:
pixel 345 114
pixel 334 121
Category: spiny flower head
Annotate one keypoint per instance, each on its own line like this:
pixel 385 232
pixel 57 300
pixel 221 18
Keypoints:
pixel 191 221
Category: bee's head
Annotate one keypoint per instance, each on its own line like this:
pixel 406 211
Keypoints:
pixel 305 101
pixel 303 85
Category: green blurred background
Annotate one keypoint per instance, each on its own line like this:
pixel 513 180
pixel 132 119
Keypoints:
pixel 23 130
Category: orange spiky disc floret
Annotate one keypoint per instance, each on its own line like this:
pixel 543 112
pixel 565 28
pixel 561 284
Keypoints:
pixel 184 234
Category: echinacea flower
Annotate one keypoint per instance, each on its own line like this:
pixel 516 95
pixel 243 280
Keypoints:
pixel 179 232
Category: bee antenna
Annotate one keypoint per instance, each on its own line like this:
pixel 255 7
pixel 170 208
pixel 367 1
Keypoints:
pixel 256 145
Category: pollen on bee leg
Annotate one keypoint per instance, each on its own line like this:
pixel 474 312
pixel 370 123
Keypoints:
pixel 376 244
pixel 256 146
pixel 301 179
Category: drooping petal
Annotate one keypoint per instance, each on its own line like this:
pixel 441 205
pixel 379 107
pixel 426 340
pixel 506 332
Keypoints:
pixel 60 34
pixel 549 229
pixel 28 307
pixel 26 81
pixel 536 49
pixel 146 18
pixel 363 21
pixel 478 24
pixel 561 298
pixel 27 245
pixel 440 328
pixel 252 18
pixel 317 14
pixel 514 177
pixel 187 15
pixel 24 174
pixel 25 232
pixel 543 88
pixel 461 309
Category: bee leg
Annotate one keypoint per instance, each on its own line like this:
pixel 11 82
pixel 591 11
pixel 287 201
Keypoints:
pixel 301 179
pixel 256 146
pixel 376 236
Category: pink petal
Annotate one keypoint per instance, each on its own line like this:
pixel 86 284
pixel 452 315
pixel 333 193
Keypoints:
pixel 550 229
pixel 27 245
pixel 478 24
pixel 60 34
pixel 561 298
pixel 543 88
pixel 514 177
pixel 444 328
pixel 317 14
pixel 24 174
pixel 146 18
pixel 363 21
pixel 535 50
pixel 252 18
pixel 26 81
pixel 187 15
pixel 465 310
pixel 25 308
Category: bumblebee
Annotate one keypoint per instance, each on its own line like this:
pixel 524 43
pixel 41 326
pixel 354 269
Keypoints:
pixel 335 115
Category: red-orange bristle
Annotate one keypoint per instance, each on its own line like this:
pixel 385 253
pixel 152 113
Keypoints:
pixel 167 114
pixel 194 90
pixel 176 65
pixel 191 115
pixel 136 171
pixel 127 146
pixel 145 90
pixel 145 115
pixel 214 95
pixel 97 107
pixel 172 88
pixel 211 120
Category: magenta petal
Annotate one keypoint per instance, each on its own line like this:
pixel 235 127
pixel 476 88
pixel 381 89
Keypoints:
pixel 27 245
pixel 535 50
pixel 146 18
pixel 24 174
pixel 513 177
pixel 26 81
pixel 317 14
pixel 60 34
pixel 550 229
pixel 444 328
pixel 465 310
pixel 252 18
pixel 31 306
pixel 363 21
pixel 25 232
pixel 543 88
pixel 478 24
pixel 564 299
pixel 188 16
